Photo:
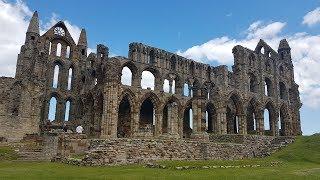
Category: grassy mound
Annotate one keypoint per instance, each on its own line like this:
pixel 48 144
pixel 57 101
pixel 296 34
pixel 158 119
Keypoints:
pixel 306 149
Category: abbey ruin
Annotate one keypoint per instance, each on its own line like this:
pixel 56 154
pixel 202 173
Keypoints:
pixel 190 101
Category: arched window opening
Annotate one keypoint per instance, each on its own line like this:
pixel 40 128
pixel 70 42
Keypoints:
pixel 173 62
pixel 70 77
pixel 187 122
pixel 233 110
pixel 126 76
pixel 266 115
pixel 67 112
pixel 269 119
pixel 147 80
pixel 267 87
pixel 253 83
pixel 166 86
pixel 211 119
pixel 251 119
pixel 185 89
pixel 283 91
pixel 55 76
pixel 147 117
pixel 173 87
pixel 279 125
pixel 58 52
pixel 151 57
pixel 52 109
pixel 269 54
pixel 124 119
pixel 68 52
pixel 50 47
pixel 281 121
pixel 262 51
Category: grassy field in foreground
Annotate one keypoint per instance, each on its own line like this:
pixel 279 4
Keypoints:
pixel 300 160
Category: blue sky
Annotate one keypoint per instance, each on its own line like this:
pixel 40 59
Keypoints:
pixel 203 30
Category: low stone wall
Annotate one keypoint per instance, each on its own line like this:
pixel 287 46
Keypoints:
pixel 128 151
pixel 71 144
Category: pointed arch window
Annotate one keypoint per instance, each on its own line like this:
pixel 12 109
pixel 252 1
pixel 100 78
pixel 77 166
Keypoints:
pixel 70 77
pixel 56 76
pixel 58 52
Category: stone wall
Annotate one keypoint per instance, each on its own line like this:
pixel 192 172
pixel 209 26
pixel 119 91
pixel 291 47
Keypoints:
pixel 128 151
pixel 71 143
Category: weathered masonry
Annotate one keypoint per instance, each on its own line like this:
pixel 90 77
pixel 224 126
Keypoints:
pixel 58 86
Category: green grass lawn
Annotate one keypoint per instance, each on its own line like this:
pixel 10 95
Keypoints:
pixel 300 160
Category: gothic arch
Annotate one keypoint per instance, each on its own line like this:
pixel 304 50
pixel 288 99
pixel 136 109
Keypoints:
pixel 252 113
pixel 187 124
pixel 211 118
pixel 125 115
pixel 234 107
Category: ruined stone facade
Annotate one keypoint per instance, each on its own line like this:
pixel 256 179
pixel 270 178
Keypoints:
pixel 89 90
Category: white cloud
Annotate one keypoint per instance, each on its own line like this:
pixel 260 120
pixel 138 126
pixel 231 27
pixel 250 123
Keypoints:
pixel 258 30
pixel 312 17
pixel 14 21
pixel 305 50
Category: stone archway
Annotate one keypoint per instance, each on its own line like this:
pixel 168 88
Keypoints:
pixel 124 118
pixel 187 122
pixel 235 124
pixel 211 118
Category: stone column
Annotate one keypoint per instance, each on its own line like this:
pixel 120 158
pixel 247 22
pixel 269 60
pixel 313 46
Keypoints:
pixel 60 110
pixel 158 84
pixel 242 121
pixel 197 121
pixel 170 86
pixel 260 123
pixel 136 80
pixel 110 113
pixel 135 122
pixel 158 124
pixel 173 127
pixel 221 127
pixel 63 78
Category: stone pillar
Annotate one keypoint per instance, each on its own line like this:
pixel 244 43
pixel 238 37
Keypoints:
pixel 158 84
pixel 60 110
pixel 136 80
pixel 170 86
pixel 221 127
pixel 158 124
pixel 260 123
pixel 197 121
pixel 173 127
pixel 242 121
pixel 110 113
pixel 135 122
pixel 63 78
pixel 178 89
